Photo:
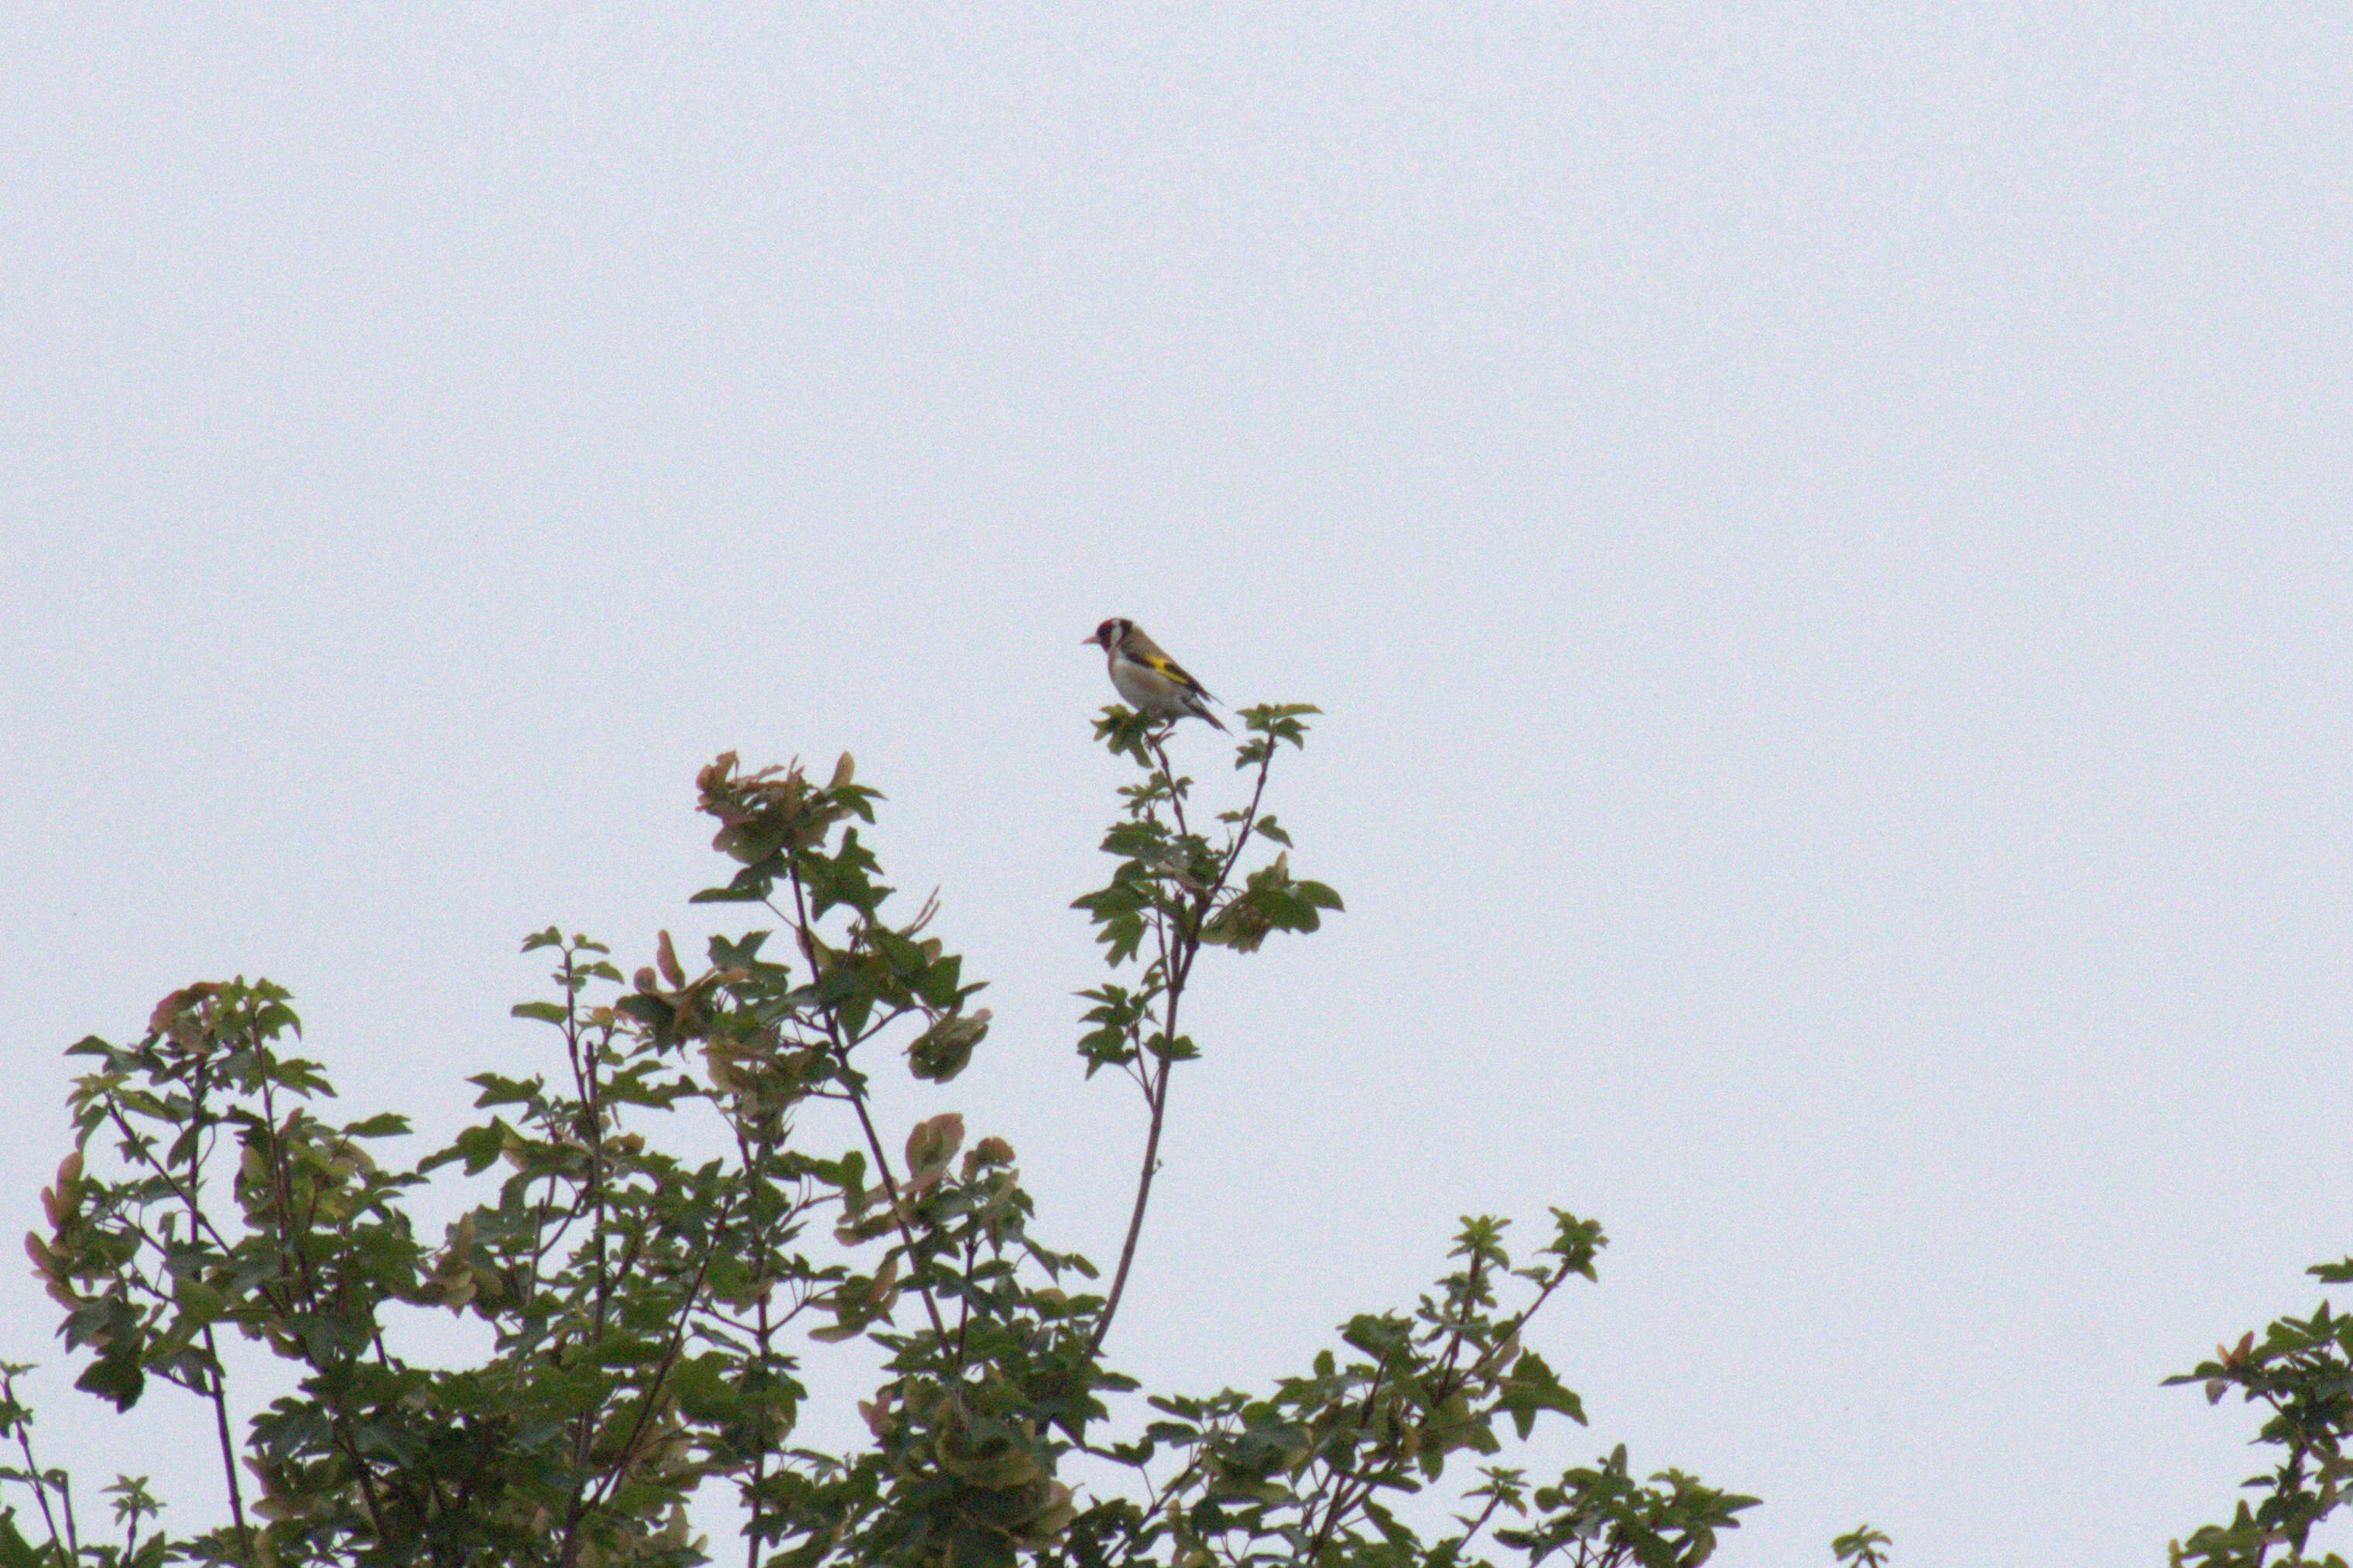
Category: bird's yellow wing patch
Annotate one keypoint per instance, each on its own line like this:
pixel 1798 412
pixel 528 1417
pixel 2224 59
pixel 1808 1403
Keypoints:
pixel 1174 672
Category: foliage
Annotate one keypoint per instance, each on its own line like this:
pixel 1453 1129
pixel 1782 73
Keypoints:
pixel 1862 1547
pixel 2302 1372
pixel 658 1232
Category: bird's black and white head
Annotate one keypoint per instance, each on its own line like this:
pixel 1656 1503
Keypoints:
pixel 1110 634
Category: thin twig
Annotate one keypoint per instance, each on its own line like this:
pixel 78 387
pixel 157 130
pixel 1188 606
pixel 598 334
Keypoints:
pixel 1174 974
pixel 1495 1501
pixel 218 1393
pixel 33 1473
pixel 650 1400
pixel 857 1103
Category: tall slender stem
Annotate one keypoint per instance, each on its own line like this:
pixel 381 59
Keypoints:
pixel 1179 948
pixel 856 1087
pixel 218 1394
pixel 1158 1096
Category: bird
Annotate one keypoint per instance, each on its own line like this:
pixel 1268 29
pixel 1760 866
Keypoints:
pixel 1148 678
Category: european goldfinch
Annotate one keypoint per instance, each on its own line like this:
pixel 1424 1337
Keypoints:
pixel 1157 684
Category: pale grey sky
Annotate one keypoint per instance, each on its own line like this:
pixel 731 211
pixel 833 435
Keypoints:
pixel 1822 534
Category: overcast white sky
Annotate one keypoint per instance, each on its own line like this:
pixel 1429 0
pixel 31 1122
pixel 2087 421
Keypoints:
pixel 1820 532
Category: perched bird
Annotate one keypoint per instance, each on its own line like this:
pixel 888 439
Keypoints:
pixel 1157 684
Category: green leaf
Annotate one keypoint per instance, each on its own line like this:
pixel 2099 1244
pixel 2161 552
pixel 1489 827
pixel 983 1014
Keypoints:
pixel 1316 895
pixel 941 1051
pixel 115 1378
pixel 16 1552
pixel 500 1090
pixel 1530 1389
